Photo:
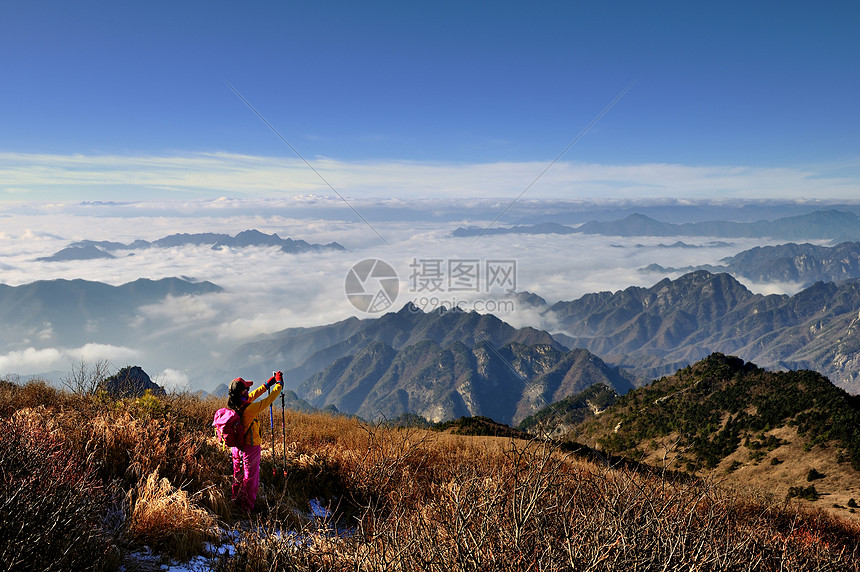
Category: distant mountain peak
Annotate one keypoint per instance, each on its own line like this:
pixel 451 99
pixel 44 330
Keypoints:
pixel 83 252
pixel 409 308
pixel 639 217
pixel 253 232
pixel 131 381
pixel 81 311
pixel 528 299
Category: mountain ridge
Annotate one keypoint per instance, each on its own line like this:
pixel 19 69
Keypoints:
pixel 828 224
pixel 407 326
pixel 442 383
pixel 694 402
pixel 652 331
pixel 791 262
pixel 89 249
pixel 66 308
pixel 728 419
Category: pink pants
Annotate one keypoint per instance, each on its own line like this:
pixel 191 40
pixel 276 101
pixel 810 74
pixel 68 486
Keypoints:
pixel 246 476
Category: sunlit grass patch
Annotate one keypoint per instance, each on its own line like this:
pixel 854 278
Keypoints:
pixel 166 518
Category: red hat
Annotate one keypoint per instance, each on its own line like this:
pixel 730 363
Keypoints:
pixel 238 385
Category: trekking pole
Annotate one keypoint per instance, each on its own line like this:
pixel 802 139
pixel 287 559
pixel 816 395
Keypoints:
pixel 272 425
pixel 284 430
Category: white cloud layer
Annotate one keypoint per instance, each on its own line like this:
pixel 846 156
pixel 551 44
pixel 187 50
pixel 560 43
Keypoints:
pixel 54 177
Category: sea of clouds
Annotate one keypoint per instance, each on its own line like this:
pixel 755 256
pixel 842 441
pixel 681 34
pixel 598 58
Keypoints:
pixel 266 290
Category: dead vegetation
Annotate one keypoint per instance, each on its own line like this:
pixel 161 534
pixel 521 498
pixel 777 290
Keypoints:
pixel 117 475
pixel 167 519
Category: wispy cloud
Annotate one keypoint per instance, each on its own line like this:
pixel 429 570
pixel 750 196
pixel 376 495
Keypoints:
pixel 172 379
pixel 210 175
pixel 63 359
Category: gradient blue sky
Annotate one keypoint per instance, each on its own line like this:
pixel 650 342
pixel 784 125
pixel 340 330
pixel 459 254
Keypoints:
pixel 122 100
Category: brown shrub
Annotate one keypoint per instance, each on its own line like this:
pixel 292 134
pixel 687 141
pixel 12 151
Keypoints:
pixel 52 505
pixel 15 395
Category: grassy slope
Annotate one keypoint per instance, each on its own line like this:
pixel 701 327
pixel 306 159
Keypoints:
pixel 416 500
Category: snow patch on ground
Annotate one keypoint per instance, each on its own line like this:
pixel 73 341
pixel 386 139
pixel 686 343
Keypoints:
pixel 146 560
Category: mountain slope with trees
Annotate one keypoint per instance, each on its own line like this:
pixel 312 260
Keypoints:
pixel 790 432
pixel 563 416
pixel 720 403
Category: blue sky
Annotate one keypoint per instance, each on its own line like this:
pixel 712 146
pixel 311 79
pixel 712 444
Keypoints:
pixel 120 100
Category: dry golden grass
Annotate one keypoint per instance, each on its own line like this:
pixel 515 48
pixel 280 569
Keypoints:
pixel 443 502
pixel 478 505
pixel 417 500
pixel 427 501
pixel 839 484
pixel 167 519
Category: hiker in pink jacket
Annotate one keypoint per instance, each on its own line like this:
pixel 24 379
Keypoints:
pixel 246 459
